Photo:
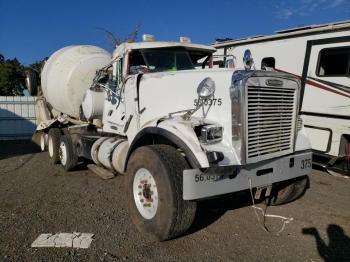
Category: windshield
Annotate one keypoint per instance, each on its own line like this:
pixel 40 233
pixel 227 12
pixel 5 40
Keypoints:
pixel 158 60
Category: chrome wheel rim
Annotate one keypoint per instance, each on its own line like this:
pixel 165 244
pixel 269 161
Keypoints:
pixel 63 153
pixel 42 142
pixel 50 146
pixel 145 193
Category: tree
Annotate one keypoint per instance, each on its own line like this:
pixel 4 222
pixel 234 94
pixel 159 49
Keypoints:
pixel 11 77
pixel 33 77
pixel 38 65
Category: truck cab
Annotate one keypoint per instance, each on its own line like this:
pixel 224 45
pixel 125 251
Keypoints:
pixel 132 62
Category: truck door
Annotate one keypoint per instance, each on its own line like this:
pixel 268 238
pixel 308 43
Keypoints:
pixel 114 108
pixel 326 100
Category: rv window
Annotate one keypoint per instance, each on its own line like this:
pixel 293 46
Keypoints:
pixel 334 62
pixel 268 62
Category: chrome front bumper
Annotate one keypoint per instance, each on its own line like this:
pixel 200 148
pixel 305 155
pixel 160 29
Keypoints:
pixel 222 180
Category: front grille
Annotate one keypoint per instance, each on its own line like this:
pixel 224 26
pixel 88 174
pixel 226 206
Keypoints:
pixel 270 121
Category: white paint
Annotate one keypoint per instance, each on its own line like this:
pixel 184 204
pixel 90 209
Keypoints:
pixel 176 91
pixel 73 240
pixel 302 141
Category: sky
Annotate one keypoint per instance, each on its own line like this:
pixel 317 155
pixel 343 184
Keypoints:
pixel 32 30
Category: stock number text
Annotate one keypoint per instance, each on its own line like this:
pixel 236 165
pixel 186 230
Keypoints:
pixel 306 163
pixel 208 102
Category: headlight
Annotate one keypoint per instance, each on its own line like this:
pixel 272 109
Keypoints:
pixel 206 88
pixel 211 134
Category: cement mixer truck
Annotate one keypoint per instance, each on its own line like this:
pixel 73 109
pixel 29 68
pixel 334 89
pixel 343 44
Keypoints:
pixel 177 129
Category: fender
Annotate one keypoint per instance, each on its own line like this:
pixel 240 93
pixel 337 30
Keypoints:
pixel 46 124
pixel 59 120
pixel 178 134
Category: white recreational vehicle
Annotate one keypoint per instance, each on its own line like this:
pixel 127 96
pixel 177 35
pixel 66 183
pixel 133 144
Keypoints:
pixel 320 56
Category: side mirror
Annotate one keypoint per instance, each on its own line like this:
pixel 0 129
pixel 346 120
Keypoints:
pixel 247 59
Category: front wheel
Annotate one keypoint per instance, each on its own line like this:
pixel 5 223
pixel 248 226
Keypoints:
pixel 154 192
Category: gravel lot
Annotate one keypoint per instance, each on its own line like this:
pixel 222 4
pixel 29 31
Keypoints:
pixel 37 197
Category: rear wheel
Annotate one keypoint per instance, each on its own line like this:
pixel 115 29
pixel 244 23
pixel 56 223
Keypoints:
pixel 53 144
pixel 289 191
pixel 154 192
pixel 67 154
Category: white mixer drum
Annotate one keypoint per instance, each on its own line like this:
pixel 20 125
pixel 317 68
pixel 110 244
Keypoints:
pixel 68 73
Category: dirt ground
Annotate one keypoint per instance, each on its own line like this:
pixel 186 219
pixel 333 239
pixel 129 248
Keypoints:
pixel 37 197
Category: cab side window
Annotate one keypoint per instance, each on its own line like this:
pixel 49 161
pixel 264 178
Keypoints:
pixel 334 62
pixel 119 72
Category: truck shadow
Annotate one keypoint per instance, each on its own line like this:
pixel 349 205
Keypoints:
pixel 209 211
pixel 338 248
pixel 11 148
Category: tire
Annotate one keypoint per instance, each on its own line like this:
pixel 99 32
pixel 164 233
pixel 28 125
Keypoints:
pixel 67 154
pixel 53 144
pixel 168 215
pixel 289 191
